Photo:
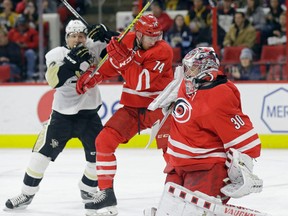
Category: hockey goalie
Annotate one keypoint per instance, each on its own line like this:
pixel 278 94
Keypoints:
pixel 211 146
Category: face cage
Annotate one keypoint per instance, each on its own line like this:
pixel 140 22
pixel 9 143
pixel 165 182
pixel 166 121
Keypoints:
pixel 193 74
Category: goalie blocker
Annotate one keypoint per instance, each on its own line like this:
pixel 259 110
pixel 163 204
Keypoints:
pixel 179 201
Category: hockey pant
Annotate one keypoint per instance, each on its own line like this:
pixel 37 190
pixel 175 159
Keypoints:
pixel 51 141
pixel 208 181
pixel 121 127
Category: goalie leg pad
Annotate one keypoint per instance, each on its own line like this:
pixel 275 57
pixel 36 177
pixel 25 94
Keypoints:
pixel 177 200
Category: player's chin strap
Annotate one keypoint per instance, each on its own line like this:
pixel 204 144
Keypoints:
pixel 179 201
pixel 241 180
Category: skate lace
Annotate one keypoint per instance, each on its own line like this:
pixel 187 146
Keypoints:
pixel 19 199
pixel 99 196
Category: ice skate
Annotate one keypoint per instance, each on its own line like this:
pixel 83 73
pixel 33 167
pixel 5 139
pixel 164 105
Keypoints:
pixel 19 202
pixel 103 204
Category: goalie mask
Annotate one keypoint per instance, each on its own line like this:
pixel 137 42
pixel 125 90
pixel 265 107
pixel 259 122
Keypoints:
pixel 75 26
pixel 199 65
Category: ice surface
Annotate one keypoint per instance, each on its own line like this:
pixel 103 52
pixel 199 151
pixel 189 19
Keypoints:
pixel 138 183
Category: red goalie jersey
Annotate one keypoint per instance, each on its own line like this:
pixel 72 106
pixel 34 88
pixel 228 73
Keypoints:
pixel 206 124
pixel 149 73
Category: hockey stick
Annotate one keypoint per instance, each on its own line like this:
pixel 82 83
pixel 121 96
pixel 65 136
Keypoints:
pixel 74 12
pixel 157 126
pixel 121 37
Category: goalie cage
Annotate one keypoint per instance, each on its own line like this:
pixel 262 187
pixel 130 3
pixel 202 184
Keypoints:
pixel 189 202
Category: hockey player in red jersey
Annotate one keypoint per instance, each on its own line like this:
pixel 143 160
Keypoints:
pixel 210 139
pixel 145 62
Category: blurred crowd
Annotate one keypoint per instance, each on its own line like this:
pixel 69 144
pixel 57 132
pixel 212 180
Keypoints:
pixel 249 24
pixel 19 37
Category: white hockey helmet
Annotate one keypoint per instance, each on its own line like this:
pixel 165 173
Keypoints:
pixel 75 26
pixel 199 66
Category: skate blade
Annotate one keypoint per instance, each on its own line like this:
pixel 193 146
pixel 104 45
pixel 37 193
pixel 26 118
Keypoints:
pixel 15 209
pixel 107 211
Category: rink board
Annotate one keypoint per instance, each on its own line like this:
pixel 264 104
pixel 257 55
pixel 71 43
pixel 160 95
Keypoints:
pixel 139 141
pixel 24 108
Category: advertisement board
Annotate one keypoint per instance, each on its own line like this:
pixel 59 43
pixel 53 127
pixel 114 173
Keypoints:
pixel 24 109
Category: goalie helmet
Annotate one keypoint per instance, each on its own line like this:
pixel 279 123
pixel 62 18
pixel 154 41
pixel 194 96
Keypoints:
pixel 75 26
pixel 199 66
pixel 149 25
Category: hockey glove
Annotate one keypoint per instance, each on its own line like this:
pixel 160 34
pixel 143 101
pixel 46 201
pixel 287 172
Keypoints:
pixel 78 58
pixel 100 32
pixel 85 81
pixel 119 55
pixel 242 181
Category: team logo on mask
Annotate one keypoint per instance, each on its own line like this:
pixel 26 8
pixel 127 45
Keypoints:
pixel 182 110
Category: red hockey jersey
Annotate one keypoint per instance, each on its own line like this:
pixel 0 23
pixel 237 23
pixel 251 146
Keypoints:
pixel 146 76
pixel 205 125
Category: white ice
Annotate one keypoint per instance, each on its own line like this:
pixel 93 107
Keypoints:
pixel 138 183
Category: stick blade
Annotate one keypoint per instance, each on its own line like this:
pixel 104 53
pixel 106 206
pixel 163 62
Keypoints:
pixel 154 131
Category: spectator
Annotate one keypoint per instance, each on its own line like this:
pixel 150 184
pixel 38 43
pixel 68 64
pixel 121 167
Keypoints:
pixel 279 32
pixel 241 33
pixel 225 14
pixel 49 6
pixel 10 54
pixel 20 6
pixel 27 38
pixel 8 17
pixel 272 20
pixel 157 8
pixel 255 14
pixel 129 18
pixel 275 10
pixel 31 14
pixel 246 70
pixel 178 4
pixel 180 35
pixel 199 21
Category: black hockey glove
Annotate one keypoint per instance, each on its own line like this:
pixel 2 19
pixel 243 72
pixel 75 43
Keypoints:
pixel 100 32
pixel 78 58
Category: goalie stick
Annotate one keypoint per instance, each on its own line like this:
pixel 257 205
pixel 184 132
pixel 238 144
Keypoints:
pixel 157 126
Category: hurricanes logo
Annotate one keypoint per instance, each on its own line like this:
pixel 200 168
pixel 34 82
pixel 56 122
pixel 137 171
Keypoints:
pixel 182 111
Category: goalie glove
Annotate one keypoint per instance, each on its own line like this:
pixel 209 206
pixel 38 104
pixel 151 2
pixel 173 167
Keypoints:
pixel 100 32
pixel 78 58
pixel 86 81
pixel 241 180
pixel 119 55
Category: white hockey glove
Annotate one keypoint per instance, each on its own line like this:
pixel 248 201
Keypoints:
pixel 169 94
pixel 240 173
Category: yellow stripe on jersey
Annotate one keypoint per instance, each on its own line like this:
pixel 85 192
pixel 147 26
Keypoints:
pixel 52 75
